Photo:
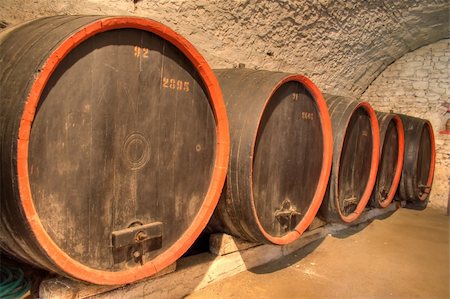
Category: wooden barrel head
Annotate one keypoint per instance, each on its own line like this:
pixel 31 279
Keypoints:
pixel 356 156
pixel 280 158
pixel 125 130
pixel 287 160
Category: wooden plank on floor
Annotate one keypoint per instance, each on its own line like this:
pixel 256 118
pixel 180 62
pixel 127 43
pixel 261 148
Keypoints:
pixel 221 244
pixel 196 272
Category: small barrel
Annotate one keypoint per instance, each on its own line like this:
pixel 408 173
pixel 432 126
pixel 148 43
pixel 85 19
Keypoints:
pixel 392 145
pixel 280 157
pixel 111 128
pixel 418 165
pixel 356 150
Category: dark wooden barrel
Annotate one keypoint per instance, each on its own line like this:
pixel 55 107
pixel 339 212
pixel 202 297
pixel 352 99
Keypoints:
pixel 356 148
pixel 392 144
pixel 114 146
pixel 280 157
pixel 418 164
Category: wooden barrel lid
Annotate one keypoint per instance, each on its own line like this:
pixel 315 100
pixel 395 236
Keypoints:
pixel 122 149
pixel 291 159
pixel 280 158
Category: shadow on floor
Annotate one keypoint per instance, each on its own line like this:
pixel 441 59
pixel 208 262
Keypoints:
pixel 288 260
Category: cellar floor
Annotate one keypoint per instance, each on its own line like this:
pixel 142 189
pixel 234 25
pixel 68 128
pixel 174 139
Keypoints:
pixel 405 255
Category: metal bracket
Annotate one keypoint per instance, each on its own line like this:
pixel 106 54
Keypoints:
pixel 383 194
pixel 350 201
pixel 136 234
pixel 285 214
pixel 424 189
pixel 138 239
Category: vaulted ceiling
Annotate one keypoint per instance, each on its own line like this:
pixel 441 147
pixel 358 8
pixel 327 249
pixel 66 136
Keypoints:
pixel 341 45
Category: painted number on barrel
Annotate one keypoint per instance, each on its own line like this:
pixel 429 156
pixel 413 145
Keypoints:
pixel 307 115
pixel 172 83
pixel 140 52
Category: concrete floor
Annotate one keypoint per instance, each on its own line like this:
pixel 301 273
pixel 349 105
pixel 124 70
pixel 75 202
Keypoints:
pixel 405 255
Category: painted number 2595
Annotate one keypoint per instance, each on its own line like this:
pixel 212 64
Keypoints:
pixel 175 84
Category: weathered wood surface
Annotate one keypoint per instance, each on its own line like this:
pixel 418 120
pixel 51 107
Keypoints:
pixel 196 272
pixel 316 223
pixel 280 155
pixel 122 129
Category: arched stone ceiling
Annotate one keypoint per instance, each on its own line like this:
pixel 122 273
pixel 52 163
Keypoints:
pixel 341 45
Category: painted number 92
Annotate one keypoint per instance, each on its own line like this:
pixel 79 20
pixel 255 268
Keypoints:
pixel 140 52
pixel 175 84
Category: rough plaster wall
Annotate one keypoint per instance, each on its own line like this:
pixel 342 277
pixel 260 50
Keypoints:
pixel 418 84
pixel 341 45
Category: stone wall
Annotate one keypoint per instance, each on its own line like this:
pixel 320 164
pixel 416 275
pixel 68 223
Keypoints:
pixel 418 84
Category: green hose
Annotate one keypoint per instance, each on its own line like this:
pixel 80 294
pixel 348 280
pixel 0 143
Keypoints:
pixel 12 283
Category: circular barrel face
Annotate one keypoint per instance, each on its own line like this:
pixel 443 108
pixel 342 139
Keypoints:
pixel 121 150
pixel 388 162
pixel 288 157
pixel 355 161
pixel 424 160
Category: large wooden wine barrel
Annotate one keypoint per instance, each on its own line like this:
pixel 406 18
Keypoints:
pixel 356 148
pixel 418 166
pixel 392 144
pixel 114 146
pixel 280 157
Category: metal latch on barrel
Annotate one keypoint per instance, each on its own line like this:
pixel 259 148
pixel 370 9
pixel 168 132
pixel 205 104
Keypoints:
pixel 286 215
pixel 136 234
pixel 424 189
